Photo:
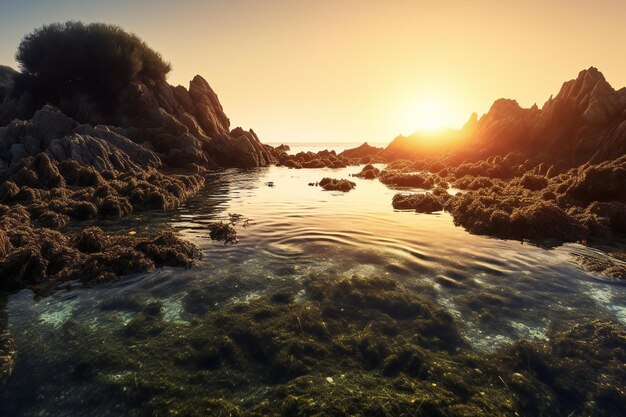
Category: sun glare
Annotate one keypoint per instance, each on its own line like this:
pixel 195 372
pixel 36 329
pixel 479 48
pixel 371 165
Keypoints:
pixel 428 115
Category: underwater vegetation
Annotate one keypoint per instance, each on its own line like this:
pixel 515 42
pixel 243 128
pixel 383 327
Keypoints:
pixel 226 231
pixel 365 346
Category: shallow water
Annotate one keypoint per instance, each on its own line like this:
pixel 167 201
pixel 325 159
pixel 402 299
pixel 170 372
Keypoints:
pixel 499 290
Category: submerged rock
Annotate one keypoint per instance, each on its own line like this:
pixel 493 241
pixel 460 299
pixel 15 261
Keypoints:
pixel 607 267
pixel 223 232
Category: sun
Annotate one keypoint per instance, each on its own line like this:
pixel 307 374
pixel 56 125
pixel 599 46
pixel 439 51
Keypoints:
pixel 427 115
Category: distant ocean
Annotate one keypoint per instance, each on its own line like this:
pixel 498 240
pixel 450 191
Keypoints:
pixel 320 146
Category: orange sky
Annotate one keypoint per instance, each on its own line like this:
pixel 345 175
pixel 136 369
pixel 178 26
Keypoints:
pixel 358 70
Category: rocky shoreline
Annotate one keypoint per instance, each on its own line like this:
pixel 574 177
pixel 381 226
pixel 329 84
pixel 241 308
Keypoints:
pixel 71 150
pixel 65 159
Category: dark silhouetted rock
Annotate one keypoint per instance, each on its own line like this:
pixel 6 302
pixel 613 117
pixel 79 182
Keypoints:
pixel 363 151
pixel 331 184
pixel 369 172
pixel 421 203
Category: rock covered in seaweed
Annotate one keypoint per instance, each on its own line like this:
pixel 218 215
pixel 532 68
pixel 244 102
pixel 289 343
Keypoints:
pixel 45 187
pixel 369 172
pixel 515 198
pixel 41 258
pixel 421 203
pixel 324 158
pixel 332 184
pixel 407 179
pixel 42 194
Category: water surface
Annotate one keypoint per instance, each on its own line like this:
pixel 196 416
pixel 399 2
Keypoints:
pixel 499 290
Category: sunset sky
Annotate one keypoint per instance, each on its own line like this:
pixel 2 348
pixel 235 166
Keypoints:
pixel 357 70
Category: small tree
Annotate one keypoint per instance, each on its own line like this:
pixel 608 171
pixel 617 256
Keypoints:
pixel 97 59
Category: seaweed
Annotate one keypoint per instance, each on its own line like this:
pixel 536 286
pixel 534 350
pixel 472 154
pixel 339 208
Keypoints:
pixel 349 346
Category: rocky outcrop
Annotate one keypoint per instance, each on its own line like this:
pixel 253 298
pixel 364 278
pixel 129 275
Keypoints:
pixel 62 138
pixel 157 124
pixel 584 122
pixel 421 203
pixel 369 172
pixel 41 195
pixel 321 159
pixel 363 151
pixel 363 154
pixel 41 186
pixel 581 204
pixel 332 184
pixel 420 144
pixel 41 258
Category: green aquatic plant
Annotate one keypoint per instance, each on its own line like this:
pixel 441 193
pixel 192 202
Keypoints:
pixel 346 346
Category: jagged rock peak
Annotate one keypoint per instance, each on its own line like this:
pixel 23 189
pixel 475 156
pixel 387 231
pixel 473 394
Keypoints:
pixel 504 107
pixel 588 82
pixel 590 94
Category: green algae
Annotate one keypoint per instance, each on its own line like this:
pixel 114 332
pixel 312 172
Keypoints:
pixel 348 346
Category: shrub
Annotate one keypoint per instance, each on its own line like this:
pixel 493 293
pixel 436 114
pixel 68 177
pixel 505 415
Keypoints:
pixel 97 59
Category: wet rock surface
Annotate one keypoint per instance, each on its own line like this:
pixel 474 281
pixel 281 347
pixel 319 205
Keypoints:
pixel 41 259
pixel 509 197
pixel 332 184
pixel 45 187
pixel 41 195
pixel 421 203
